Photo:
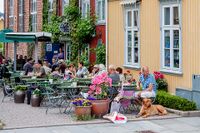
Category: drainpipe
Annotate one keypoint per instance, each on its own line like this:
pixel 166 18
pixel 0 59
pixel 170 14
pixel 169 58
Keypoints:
pixel 106 5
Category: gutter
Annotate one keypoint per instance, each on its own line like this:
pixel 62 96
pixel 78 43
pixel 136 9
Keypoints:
pixel 106 5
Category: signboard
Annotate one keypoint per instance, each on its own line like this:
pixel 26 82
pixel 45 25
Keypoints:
pixel 49 47
pixel 64 27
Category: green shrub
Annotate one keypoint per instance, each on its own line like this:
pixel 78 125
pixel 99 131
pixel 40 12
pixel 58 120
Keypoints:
pixel 162 85
pixel 174 102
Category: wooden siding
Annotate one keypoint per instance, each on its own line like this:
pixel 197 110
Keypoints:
pixel 150 39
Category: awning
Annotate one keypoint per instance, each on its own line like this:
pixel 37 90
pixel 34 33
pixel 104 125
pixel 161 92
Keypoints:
pixel 28 36
pixel 36 37
pixel 128 2
pixel 3 36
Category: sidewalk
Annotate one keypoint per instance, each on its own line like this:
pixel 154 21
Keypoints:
pixel 174 125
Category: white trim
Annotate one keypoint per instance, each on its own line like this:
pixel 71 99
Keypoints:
pixel 171 28
pixel 21 16
pixel 36 34
pixel 34 12
pixel 64 3
pixel 127 2
pixel 131 66
pixel 11 13
pixel 84 12
pixel 132 28
pixel 106 16
pixel 100 20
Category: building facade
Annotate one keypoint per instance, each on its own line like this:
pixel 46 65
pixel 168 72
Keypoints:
pixel 26 16
pixel 161 34
pixel 97 8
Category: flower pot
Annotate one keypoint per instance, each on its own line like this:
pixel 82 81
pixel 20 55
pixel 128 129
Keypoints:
pixel 100 107
pixel 82 110
pixel 35 101
pixel 19 96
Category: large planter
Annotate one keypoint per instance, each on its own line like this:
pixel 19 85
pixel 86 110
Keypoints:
pixel 100 107
pixel 35 100
pixel 19 96
pixel 82 110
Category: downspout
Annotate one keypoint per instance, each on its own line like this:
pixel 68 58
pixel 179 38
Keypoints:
pixel 106 4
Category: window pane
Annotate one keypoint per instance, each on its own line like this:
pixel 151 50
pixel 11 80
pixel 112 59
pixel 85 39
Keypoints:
pixel 135 55
pixel 129 46
pixel 167 38
pixel 99 10
pixel 135 38
pixel 176 16
pixel 167 16
pixel 176 38
pixel 176 58
pixel 103 9
pixel 135 18
pixel 129 18
pixel 167 58
pixel 129 38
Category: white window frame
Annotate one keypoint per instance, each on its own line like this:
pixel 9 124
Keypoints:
pixel 11 14
pixel 133 29
pixel 21 16
pixel 85 12
pixel 34 14
pixel 68 51
pixel 171 28
pixel 64 3
pixel 50 10
pixel 102 12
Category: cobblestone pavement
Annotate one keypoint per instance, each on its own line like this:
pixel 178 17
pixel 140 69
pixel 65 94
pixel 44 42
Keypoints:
pixel 25 116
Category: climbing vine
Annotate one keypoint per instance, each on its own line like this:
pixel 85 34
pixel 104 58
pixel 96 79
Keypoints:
pixel 82 30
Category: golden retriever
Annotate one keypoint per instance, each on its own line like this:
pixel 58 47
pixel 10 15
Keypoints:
pixel 148 109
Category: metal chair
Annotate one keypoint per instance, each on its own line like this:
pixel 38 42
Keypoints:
pixel 8 90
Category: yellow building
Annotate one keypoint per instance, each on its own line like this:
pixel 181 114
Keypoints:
pixel 161 34
pixel 1 24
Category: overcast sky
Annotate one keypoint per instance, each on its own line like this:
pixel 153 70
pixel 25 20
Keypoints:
pixel 1 6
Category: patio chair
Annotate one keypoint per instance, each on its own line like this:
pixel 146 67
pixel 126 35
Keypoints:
pixel 8 90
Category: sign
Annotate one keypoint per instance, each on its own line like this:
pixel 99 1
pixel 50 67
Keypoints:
pixel 49 47
pixel 64 27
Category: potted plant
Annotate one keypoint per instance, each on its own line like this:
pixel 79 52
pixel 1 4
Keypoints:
pixel 19 94
pixel 99 91
pixel 36 98
pixel 82 107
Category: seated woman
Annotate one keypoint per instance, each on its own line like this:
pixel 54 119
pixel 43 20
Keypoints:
pixel 70 72
pixel 56 73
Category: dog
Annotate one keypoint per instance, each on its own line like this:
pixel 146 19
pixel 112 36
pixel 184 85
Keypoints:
pixel 148 109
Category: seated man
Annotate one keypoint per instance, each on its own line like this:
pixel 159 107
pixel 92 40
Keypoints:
pixel 148 83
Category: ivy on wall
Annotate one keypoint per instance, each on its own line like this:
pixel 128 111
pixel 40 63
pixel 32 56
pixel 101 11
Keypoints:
pixel 82 30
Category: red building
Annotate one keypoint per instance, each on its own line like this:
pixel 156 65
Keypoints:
pixel 19 13
pixel 98 8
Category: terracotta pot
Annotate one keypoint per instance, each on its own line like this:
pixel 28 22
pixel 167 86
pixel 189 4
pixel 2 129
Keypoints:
pixel 82 110
pixel 35 100
pixel 19 96
pixel 100 107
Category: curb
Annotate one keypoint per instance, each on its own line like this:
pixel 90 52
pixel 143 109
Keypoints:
pixel 195 113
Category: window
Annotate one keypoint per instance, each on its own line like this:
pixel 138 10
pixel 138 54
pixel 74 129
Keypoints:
pixel 171 38
pixel 68 52
pixel 132 50
pixel 21 15
pixel 100 11
pixel 64 3
pixel 11 11
pixel 50 12
pixel 85 8
pixel 34 15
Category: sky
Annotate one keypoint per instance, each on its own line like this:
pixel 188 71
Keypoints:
pixel 1 6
